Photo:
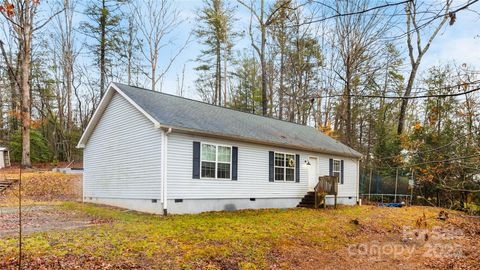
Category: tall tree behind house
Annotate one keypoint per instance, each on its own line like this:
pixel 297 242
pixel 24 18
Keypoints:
pixel 261 18
pixel 246 89
pixel 358 40
pixel 21 20
pixel 417 50
pixel 104 28
pixel 280 32
pixel 64 38
pixel 156 21
pixel 10 64
pixel 216 34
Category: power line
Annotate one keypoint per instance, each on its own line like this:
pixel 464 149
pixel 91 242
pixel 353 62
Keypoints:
pixel 433 149
pixel 433 18
pixel 435 161
pixel 386 5
pixel 440 161
pixel 398 97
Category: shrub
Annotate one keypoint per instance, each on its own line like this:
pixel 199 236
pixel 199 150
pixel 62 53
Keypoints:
pixel 39 151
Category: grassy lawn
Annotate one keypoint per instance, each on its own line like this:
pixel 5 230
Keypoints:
pixel 250 239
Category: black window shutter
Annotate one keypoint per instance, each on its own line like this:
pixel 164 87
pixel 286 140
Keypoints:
pixel 271 160
pixel 297 168
pixel 234 163
pixel 196 160
pixel 341 173
pixel 330 166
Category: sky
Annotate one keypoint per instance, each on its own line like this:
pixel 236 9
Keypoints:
pixel 458 44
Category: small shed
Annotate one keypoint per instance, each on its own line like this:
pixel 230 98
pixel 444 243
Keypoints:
pixel 4 157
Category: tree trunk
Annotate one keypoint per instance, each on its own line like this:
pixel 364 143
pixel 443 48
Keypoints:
pixel 281 88
pixel 218 73
pixel 2 130
pixel 403 106
pixel 348 107
pixel 262 60
pixel 415 61
pixel 130 50
pixel 103 48
pixel 14 91
pixel 154 75
pixel 225 59
pixel 25 83
pixel 264 76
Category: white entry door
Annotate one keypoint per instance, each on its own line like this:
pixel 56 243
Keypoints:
pixel 312 173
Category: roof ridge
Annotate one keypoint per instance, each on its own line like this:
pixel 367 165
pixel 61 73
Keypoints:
pixel 218 106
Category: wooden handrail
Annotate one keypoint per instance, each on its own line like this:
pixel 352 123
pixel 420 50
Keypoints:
pixel 327 185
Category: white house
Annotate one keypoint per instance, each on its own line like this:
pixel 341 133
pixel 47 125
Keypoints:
pixel 155 152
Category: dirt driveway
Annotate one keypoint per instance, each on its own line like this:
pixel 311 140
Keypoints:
pixel 39 218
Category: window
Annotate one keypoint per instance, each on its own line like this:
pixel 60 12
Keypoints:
pixel 337 170
pixel 216 161
pixel 284 167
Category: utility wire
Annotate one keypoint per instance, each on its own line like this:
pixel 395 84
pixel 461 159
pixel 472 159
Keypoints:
pixel 386 5
pixel 431 150
pixel 440 161
pixel 398 97
pixel 421 90
pixel 431 19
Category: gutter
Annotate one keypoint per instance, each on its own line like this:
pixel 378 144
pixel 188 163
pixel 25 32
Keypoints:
pixel 167 131
pixel 262 142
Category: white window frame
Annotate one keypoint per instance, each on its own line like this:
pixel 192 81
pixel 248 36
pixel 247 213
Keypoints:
pixel 339 169
pixel 284 167
pixel 216 161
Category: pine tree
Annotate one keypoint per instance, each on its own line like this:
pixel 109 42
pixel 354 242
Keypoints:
pixel 215 32
pixel 104 27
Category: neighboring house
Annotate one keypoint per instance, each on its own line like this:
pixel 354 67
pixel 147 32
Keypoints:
pixel 156 152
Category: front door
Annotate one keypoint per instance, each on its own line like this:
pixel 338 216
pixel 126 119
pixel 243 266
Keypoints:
pixel 312 173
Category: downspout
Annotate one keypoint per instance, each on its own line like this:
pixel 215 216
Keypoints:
pixel 357 186
pixel 164 170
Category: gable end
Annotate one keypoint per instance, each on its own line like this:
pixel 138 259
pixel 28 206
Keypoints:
pixel 97 115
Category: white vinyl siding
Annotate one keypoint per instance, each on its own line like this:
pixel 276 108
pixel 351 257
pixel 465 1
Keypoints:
pixel 253 181
pixel 122 158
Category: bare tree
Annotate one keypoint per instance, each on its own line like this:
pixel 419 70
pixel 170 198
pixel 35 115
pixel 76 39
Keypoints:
pixel 416 50
pixel 63 64
pixel 357 39
pixel 156 20
pixel 263 21
pixel 21 16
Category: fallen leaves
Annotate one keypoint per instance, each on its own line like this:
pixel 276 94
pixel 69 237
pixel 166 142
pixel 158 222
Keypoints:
pixel 43 187
pixel 247 239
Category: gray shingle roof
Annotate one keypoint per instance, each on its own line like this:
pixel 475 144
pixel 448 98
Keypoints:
pixel 179 112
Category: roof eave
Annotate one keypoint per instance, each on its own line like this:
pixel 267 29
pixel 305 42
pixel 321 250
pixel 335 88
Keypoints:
pixel 354 153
